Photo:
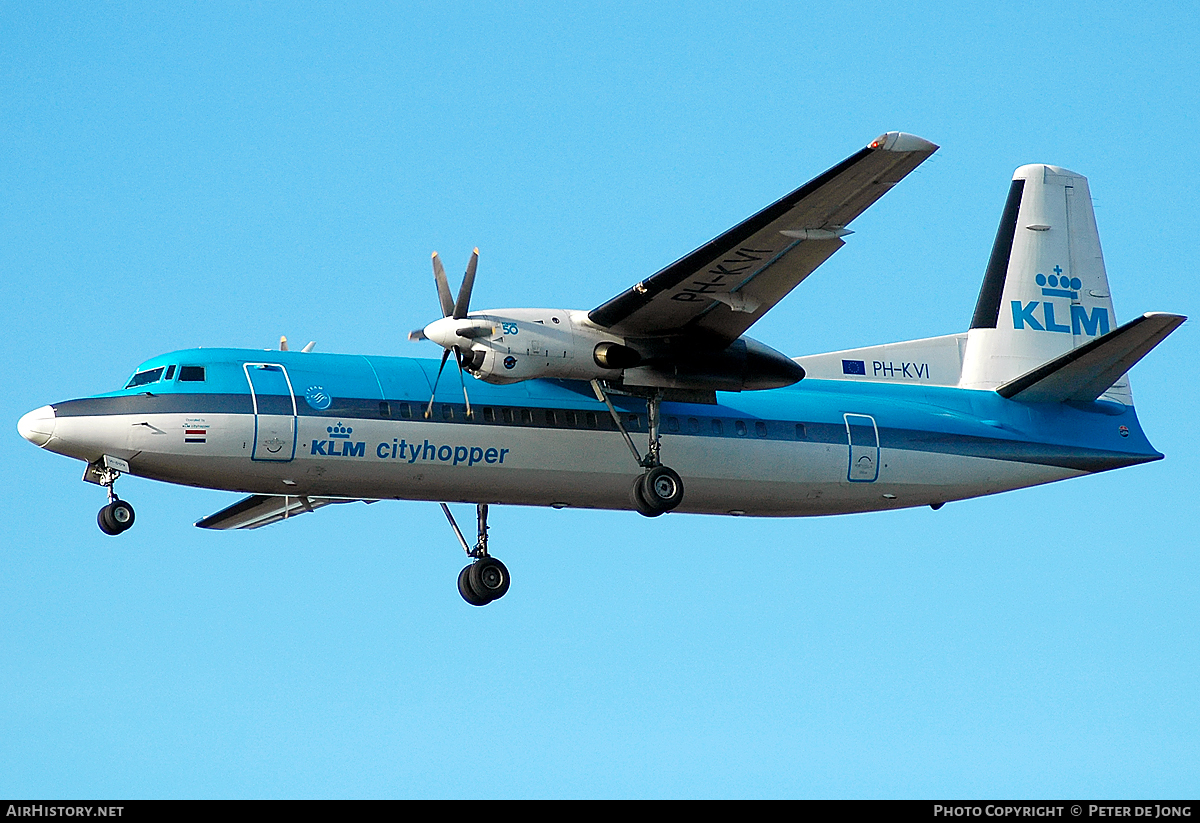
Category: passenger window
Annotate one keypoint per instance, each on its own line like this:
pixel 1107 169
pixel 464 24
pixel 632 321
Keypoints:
pixel 590 417
pixel 693 425
pixel 507 414
pixel 385 408
pixel 569 415
pixel 672 424
pixel 550 417
pixel 717 427
pixel 489 414
pixel 405 411
pixel 447 411
pixel 526 416
pixel 191 374
pixel 801 432
pixel 760 428
pixel 739 426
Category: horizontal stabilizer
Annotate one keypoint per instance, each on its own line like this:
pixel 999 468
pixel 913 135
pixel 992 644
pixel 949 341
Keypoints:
pixel 1083 374
pixel 263 510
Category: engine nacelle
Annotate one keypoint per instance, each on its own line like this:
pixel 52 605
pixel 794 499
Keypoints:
pixel 745 365
pixel 525 344
pixel 512 345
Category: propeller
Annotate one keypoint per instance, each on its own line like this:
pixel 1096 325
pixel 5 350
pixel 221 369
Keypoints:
pixel 454 310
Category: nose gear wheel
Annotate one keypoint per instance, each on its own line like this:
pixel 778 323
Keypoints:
pixel 115 518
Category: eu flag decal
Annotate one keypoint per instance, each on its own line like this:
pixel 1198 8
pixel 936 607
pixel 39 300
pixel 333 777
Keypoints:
pixel 854 367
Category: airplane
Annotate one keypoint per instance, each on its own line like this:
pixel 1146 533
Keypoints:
pixel 1035 391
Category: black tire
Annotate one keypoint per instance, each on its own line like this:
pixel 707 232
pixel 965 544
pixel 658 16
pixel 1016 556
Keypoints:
pixel 105 522
pixel 638 499
pixel 489 578
pixel 662 488
pixel 121 514
pixel 464 588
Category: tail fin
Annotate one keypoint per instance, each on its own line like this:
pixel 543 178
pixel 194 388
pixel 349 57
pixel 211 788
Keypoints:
pixel 1045 291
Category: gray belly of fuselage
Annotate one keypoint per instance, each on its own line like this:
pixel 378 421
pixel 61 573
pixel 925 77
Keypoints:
pixel 536 466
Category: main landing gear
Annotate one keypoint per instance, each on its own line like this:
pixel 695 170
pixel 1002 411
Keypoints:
pixel 118 515
pixel 486 578
pixel 660 488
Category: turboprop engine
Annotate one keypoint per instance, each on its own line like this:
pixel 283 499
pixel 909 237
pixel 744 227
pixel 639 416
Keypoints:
pixel 510 345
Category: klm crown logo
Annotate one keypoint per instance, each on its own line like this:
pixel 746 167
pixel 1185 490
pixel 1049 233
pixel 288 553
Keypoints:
pixel 339 443
pixel 1059 284
pixel 1083 322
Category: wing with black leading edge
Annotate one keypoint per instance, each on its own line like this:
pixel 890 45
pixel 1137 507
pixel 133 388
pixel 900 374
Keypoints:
pixel 722 288
pixel 260 510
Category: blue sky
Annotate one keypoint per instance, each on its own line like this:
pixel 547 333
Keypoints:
pixel 219 174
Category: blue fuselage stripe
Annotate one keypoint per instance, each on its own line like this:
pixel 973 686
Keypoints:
pixel 913 418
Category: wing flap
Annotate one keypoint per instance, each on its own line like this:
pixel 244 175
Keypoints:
pixel 259 510
pixel 1083 374
pixel 724 286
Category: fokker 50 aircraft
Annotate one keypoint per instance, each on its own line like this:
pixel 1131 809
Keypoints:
pixel 1035 391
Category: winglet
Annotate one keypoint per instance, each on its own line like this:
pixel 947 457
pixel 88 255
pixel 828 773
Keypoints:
pixel 901 141
pixel 1083 374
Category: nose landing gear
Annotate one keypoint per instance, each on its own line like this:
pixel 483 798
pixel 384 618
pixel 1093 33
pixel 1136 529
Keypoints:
pixel 118 515
pixel 486 578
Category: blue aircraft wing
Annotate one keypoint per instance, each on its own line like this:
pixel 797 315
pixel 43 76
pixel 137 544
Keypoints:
pixel 264 509
pixel 722 288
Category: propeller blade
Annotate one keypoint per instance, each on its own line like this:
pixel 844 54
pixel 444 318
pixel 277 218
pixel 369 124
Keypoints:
pixel 443 286
pixel 458 359
pixel 468 283
pixel 417 334
pixel 283 343
pixel 429 408
pixel 312 344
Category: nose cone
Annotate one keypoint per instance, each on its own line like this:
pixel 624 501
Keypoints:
pixel 449 332
pixel 442 332
pixel 38 426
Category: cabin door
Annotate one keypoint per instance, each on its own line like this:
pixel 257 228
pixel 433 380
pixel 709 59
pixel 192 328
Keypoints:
pixel 274 412
pixel 863 437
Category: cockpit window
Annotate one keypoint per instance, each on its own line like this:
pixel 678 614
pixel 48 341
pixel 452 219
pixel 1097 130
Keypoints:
pixel 191 374
pixel 170 372
pixel 143 378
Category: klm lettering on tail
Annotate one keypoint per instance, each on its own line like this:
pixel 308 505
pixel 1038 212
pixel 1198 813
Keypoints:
pixel 1026 315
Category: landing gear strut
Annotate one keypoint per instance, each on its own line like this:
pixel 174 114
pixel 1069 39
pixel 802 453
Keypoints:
pixel 485 579
pixel 660 488
pixel 118 515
